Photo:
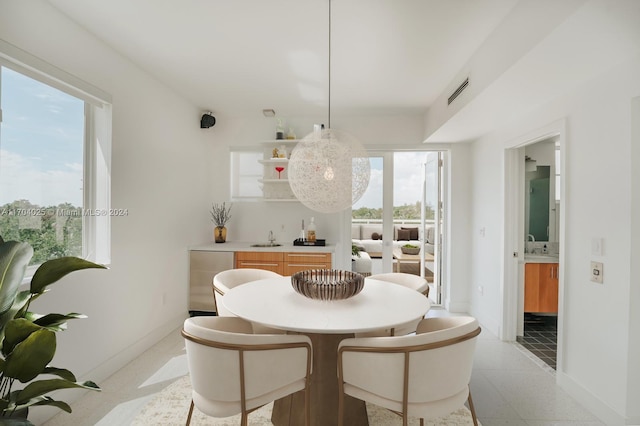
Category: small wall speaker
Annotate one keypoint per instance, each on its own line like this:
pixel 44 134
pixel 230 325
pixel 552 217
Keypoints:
pixel 207 121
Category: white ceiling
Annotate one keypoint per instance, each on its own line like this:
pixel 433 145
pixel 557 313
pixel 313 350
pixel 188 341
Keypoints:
pixel 238 57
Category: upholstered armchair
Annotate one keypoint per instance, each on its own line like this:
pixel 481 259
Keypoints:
pixel 233 371
pixel 414 282
pixel 425 375
pixel 226 280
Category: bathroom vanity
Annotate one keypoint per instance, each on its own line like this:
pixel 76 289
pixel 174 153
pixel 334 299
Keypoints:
pixel 541 284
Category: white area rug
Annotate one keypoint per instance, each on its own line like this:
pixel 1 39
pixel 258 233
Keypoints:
pixel 170 407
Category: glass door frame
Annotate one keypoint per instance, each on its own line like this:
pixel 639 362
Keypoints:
pixel 440 214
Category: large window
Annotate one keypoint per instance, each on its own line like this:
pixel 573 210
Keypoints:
pixel 41 166
pixel 54 174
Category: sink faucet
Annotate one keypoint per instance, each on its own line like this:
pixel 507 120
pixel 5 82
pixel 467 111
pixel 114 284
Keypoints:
pixel 529 245
pixel 271 237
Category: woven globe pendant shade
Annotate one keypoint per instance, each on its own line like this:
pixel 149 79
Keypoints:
pixel 329 170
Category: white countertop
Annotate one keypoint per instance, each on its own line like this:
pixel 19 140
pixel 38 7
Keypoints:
pixel 540 258
pixel 246 246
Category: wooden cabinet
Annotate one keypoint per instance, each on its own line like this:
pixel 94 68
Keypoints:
pixel 203 265
pixel 284 263
pixel 541 287
pixel 296 262
pixel 271 261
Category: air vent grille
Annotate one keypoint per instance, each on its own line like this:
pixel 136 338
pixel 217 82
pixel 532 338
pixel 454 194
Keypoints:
pixel 459 90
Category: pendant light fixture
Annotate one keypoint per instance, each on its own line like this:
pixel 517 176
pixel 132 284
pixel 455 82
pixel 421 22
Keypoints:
pixel 329 169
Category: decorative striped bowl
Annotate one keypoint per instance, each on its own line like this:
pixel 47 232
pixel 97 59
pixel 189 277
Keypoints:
pixel 327 284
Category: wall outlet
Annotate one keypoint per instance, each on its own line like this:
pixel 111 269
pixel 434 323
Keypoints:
pixel 596 272
pixel 481 290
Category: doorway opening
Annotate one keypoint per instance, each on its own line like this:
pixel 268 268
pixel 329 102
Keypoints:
pixel 541 207
pixel 534 233
pixel 397 225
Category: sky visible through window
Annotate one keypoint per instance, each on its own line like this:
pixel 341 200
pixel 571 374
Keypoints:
pixel 41 143
pixel 407 180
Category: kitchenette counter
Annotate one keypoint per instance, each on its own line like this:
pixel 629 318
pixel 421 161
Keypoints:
pixel 233 246
pixel 206 260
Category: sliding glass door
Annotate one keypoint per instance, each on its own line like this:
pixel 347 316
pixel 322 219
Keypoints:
pixel 397 224
pixel 433 220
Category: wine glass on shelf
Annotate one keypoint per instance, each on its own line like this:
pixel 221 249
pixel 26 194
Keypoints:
pixel 279 169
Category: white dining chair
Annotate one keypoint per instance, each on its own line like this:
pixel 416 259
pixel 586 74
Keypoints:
pixel 425 375
pixel 234 371
pixel 414 282
pixel 226 280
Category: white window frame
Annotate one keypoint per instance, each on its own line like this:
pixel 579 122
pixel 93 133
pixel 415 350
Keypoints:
pixel 96 240
pixel 235 174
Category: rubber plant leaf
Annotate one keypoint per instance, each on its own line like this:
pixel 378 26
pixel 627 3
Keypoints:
pixel 41 387
pixel 52 270
pixel 50 402
pixel 16 332
pixel 40 400
pixel 60 372
pixel 31 356
pixel 14 259
pixel 56 321
pixel 15 422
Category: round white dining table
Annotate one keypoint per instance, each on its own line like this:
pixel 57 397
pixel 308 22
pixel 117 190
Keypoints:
pixel 274 303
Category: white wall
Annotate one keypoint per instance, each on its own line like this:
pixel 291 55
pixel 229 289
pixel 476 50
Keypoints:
pixel 457 295
pixel 160 173
pixel 598 331
pixel 633 386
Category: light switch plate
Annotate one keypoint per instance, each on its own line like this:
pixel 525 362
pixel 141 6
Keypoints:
pixel 596 246
pixel 596 272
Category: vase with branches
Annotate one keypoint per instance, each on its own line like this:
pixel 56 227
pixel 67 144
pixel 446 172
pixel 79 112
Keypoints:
pixel 220 215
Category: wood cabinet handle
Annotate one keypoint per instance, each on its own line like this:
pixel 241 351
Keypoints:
pixel 258 264
pixel 306 255
pixel 313 265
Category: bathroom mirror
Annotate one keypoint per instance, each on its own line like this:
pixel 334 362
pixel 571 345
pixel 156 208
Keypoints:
pixel 542 202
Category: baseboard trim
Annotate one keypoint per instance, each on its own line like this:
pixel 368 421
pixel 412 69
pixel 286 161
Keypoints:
pixel 457 307
pixel 124 357
pixel 596 406
pixel 39 415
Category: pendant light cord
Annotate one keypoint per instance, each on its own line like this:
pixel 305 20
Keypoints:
pixel 329 108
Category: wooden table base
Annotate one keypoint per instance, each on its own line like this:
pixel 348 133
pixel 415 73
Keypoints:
pixel 289 411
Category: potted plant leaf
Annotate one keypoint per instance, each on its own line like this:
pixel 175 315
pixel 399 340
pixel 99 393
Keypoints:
pixel 220 215
pixel 28 339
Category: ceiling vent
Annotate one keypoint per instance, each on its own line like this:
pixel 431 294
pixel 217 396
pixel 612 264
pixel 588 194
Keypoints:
pixel 459 90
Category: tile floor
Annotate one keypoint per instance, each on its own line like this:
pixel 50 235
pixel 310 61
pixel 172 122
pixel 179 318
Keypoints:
pixel 541 337
pixel 509 385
